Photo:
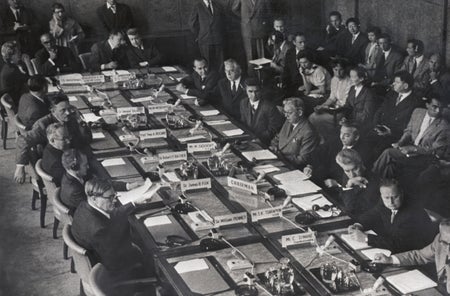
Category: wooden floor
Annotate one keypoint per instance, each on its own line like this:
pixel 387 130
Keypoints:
pixel 31 261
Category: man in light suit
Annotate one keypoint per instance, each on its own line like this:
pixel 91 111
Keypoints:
pixel 255 18
pixel 109 54
pixel 437 252
pixel 416 63
pixel 207 22
pixel 425 137
pixel 141 53
pixel 115 16
pixel 260 116
pixel 352 43
pixel 297 140
pixel 390 62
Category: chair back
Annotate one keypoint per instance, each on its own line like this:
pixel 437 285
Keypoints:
pixel 65 217
pixel 50 187
pixel 21 128
pixel 8 104
pixel 79 255
pixel 35 67
pixel 84 58
pixel 98 280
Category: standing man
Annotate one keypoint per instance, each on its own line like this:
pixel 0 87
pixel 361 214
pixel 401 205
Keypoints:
pixel 207 24
pixel 255 18
pixel 115 16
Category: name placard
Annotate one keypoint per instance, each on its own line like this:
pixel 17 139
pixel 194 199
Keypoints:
pixel 172 156
pixel 196 184
pixel 125 138
pixel 297 239
pixel 122 77
pixel 71 80
pixel 266 213
pixel 130 110
pixel 238 218
pixel 197 147
pixel 89 79
pixel 149 159
pixel 243 185
pixel 158 108
pixel 153 134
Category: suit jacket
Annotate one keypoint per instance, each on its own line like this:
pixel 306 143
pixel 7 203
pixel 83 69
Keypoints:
pixel 420 79
pixel 120 21
pixel 203 90
pixel 65 61
pixel 362 107
pixel 300 144
pixel 23 35
pixel 279 57
pixel 436 137
pixel 331 37
pixel 31 109
pixel 255 18
pixel 265 122
pixel 51 163
pixel 411 228
pixel 230 102
pixel 386 68
pixel 208 28
pixel 13 82
pixel 353 52
pixel 150 54
pixel 396 117
pixel 102 53
pixel 107 240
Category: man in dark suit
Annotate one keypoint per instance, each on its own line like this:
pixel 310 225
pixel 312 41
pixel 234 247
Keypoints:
pixel 416 63
pixel 115 16
pixel 255 20
pixel 426 137
pixel 352 43
pixel 109 54
pixel 231 89
pixel 399 225
pixel 437 79
pixel 281 47
pixel 54 59
pixel 390 63
pixel 200 83
pixel 333 29
pixel 207 23
pixel 260 116
pixel 34 104
pixel 141 53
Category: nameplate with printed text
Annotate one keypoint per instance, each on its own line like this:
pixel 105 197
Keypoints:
pixel 244 198
pixel 172 156
pixel 130 110
pixel 297 239
pixel 153 134
pixel 243 185
pixel 196 184
pixel 89 79
pixel 198 147
pixel 238 218
pixel 266 213
pixel 125 138
pixel 159 108
pixel 70 80
pixel 122 77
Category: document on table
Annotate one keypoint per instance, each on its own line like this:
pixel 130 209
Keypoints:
pixel 185 97
pixel 169 69
pixel 217 122
pixel 172 177
pixel 355 245
pixel 192 138
pixel 233 132
pixel 133 194
pixel 290 177
pixel 411 281
pixel 90 117
pixel 263 154
pixel 117 72
pixel 266 169
pixel 307 202
pixel 143 99
pixel 73 99
pixel 260 62
pixel 209 112
pixel 156 221
pixel 113 162
pixel 191 265
pixel 300 187
pixel 98 135
pixel 370 253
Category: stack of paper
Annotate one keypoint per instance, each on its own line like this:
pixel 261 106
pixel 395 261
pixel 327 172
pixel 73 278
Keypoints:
pixel 292 176
pixel 233 132
pixel 266 169
pixel 218 122
pixel 156 221
pixel 113 162
pixel 307 202
pixel 143 99
pixel 264 154
pixel 191 265
pixel 169 69
pixel 98 135
pixel 143 192
pixel 411 281
pixel 355 245
pixel 370 253
pixel 191 138
pixel 209 112
pixel 186 97
pixel 300 187
pixel 90 117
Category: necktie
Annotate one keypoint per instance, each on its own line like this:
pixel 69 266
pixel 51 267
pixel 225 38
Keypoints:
pixel 113 8
pixel 291 128
pixel 398 99
pixel 253 2
pixel 252 111
pixel 233 88
pixel 17 15
pixel 353 39
pixel 425 124
pixel 394 212
pixel 210 7
pixel 414 67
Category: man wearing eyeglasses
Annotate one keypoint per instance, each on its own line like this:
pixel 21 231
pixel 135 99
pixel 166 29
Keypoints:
pixel 437 252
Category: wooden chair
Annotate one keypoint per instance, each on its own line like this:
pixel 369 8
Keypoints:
pixel 6 115
pixel 84 59
pixel 64 217
pixel 35 66
pixel 81 260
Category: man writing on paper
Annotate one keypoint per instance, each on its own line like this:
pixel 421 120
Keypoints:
pixel 437 252
pixel 400 225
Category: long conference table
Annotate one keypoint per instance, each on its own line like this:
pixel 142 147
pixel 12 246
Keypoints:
pixel 254 227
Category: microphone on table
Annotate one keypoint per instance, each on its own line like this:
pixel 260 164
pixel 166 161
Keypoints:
pixel 184 206
pixel 214 242
pixel 320 250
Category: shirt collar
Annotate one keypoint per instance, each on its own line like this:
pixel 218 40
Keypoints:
pixel 76 177
pixel 237 81
pixel 419 59
pixel 110 45
pixel 98 209
pixel 206 2
pixel 356 35
pixel 404 95
pixel 109 5
pixel 255 104
pixel 40 99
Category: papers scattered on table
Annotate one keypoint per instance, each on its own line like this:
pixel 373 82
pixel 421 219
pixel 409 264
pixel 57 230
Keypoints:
pixel 266 169
pixel 172 177
pixel 263 154
pixel 233 132
pixel 185 97
pixel 193 138
pixel 113 162
pixel 143 192
pixel 191 265
pixel 209 112
pixel 355 245
pixel 291 177
pixel 98 135
pixel 156 221
pixel 307 202
pixel 300 188
pixel 218 122
pixel 73 99
pixel 90 117
pixel 169 69
pixel 118 72
pixel 411 281
pixel 260 62
pixel 143 99
pixel 370 253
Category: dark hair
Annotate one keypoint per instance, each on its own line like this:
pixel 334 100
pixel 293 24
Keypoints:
pixel 375 30
pixel 57 5
pixel 390 183
pixel 361 72
pixel 115 32
pixel 305 55
pixel 279 37
pixel 299 33
pixel 37 83
pixel 417 43
pixel 352 20
pixel 335 13
pixel 434 96
pixel 343 63
pixel 253 81
pixel 406 77
pixel 97 187
pixel 199 59
pixel 133 32
pixel 56 99
pixel 385 36
pixel 350 124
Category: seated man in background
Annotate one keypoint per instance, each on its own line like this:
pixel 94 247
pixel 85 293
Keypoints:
pixel 278 26
pixel 297 140
pixel 231 89
pixel 399 225
pixel 332 30
pixel 390 63
pixel 351 44
pixel 141 53
pixel 436 252
pixel 280 48
pixel 416 64
pixel 109 54
pixel 34 104
pixel 54 59
pixel 260 116
pixel 437 79
pixel 200 83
